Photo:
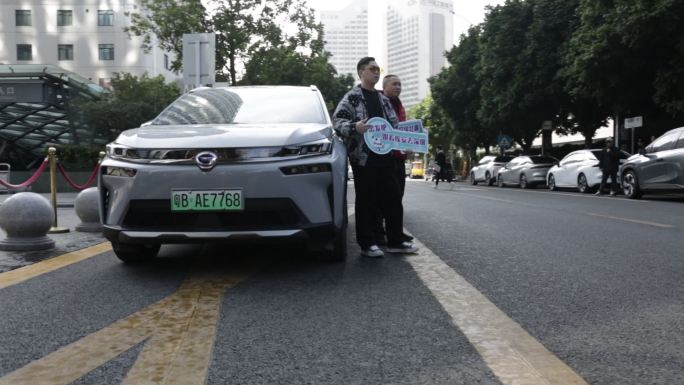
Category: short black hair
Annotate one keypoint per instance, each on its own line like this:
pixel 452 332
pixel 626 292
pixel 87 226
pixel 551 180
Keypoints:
pixel 364 61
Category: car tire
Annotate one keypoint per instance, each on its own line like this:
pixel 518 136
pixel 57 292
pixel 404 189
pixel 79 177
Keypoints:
pixel 582 184
pixel 133 253
pixel 500 182
pixel 630 185
pixel 489 179
pixel 552 183
pixel 523 182
pixel 472 179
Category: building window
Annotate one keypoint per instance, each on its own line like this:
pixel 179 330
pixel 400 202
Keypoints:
pixel 105 18
pixel 23 17
pixel 24 52
pixel 106 51
pixel 64 17
pixel 65 52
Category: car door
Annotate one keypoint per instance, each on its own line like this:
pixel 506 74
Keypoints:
pixel 506 170
pixel 660 170
pixel 566 176
pixel 481 167
pixel 514 175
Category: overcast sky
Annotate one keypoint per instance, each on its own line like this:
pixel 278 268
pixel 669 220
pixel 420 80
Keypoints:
pixel 466 12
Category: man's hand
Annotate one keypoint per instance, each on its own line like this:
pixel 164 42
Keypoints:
pixel 361 126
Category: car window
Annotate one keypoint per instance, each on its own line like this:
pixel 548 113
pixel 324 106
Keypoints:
pixel 543 159
pixel 244 105
pixel 680 142
pixel 485 160
pixel 503 159
pixel 572 158
pixel 665 142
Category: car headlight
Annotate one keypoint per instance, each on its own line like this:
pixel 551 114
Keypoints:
pixel 319 147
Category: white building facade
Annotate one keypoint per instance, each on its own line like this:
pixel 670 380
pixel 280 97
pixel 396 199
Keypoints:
pixel 419 32
pixel 82 36
pixel 407 37
pixel 346 35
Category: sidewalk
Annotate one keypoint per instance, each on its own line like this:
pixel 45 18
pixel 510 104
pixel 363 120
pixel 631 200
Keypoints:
pixel 64 243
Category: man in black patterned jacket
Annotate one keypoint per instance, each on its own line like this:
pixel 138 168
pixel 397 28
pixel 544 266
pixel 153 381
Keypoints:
pixel 374 179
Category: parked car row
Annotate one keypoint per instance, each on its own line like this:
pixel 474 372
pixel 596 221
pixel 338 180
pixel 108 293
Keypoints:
pixel 659 169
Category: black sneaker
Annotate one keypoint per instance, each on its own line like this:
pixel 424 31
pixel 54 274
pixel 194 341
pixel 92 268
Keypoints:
pixel 403 248
pixel 406 237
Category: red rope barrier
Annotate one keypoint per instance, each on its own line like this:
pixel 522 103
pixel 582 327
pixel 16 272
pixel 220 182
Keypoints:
pixel 30 180
pixel 75 186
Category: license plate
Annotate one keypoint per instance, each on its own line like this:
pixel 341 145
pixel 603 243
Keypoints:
pixel 207 200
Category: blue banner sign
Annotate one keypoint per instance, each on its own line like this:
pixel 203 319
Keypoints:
pixel 381 138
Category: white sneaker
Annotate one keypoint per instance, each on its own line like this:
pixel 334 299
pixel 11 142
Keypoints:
pixel 403 248
pixel 372 252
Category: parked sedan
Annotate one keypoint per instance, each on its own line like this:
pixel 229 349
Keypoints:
pixel 660 169
pixel 579 169
pixel 525 171
pixel 487 169
pixel 231 164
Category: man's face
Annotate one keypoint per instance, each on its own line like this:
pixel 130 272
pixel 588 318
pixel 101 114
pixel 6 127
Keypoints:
pixel 370 73
pixel 393 88
pixel 609 143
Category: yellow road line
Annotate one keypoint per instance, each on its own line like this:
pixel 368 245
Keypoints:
pixel 661 225
pixel 180 328
pixel 22 274
pixel 509 351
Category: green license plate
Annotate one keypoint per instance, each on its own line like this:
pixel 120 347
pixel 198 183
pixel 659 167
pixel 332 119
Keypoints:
pixel 207 200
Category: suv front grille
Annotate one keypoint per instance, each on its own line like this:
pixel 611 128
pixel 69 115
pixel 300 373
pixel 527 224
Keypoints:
pixel 259 214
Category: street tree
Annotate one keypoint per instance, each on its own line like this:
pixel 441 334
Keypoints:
pixel 132 101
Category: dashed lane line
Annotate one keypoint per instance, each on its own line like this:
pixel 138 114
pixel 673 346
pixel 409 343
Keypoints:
pixel 509 351
pixel 655 224
pixel 25 273
pixel 179 329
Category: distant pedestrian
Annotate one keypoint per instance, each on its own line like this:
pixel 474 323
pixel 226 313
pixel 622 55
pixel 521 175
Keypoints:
pixel 440 160
pixel 609 162
pixel 641 147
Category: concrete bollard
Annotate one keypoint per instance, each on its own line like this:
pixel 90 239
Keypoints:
pixel 26 217
pixel 86 206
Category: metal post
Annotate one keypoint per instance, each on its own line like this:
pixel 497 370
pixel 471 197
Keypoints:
pixel 197 63
pixel 52 156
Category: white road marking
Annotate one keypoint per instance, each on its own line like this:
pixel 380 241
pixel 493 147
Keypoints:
pixel 655 224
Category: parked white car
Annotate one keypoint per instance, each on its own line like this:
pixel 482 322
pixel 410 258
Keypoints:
pixel 579 169
pixel 487 168
pixel 525 171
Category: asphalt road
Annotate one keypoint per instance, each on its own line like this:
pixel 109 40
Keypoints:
pixel 586 286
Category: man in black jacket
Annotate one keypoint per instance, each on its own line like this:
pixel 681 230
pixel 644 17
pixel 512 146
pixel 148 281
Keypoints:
pixel 609 162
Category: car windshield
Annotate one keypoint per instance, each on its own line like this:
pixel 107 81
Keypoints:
pixel 503 159
pixel 542 159
pixel 244 105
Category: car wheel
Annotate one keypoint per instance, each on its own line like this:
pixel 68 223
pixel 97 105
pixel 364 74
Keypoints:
pixel 135 253
pixel 582 184
pixel 552 183
pixel 489 179
pixel 630 185
pixel 472 179
pixel 523 182
pixel 499 181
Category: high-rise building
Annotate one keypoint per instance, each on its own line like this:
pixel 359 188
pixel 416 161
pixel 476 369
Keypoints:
pixel 346 35
pixel 419 32
pixel 81 36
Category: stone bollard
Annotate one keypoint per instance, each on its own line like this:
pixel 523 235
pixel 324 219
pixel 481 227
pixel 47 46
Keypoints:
pixel 26 218
pixel 86 206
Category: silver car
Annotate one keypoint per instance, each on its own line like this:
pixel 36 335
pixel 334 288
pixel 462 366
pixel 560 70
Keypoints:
pixel 487 169
pixel 579 169
pixel 228 164
pixel 660 169
pixel 525 171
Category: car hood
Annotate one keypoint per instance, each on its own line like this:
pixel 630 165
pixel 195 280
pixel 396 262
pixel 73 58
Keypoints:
pixel 224 135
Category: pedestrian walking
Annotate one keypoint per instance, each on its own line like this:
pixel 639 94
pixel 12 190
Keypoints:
pixel 609 162
pixel 440 160
pixel 375 178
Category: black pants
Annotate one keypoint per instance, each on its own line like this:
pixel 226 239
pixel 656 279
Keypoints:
pixel 613 180
pixel 377 186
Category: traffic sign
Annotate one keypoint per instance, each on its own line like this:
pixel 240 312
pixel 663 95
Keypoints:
pixel 504 141
pixel 636 121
